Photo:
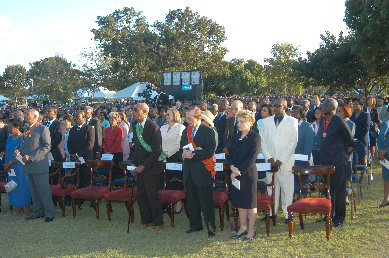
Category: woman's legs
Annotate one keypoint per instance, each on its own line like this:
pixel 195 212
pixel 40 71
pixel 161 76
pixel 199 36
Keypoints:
pixel 386 192
pixel 252 216
pixel 243 220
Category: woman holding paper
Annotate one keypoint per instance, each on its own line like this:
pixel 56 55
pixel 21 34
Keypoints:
pixel 242 154
pixel 21 196
pixel 113 143
pixel 383 156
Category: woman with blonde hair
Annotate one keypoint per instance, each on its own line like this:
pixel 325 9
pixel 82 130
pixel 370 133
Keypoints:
pixel 242 154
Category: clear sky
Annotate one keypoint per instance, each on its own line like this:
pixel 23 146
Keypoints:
pixel 31 30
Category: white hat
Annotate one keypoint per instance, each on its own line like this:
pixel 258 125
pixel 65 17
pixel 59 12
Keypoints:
pixel 208 117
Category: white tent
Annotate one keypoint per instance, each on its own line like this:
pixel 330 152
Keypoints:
pixel 101 93
pixel 132 92
pixel 2 98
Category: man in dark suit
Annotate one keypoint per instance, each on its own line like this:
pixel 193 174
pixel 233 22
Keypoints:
pixel 57 134
pixel 80 144
pixel 232 124
pixel 94 123
pixel 149 167
pixel 34 150
pixel 361 120
pixel 220 123
pixel 311 111
pixel 336 142
pixel 198 178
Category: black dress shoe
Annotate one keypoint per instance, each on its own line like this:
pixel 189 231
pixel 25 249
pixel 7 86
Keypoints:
pixel 383 205
pixel 191 230
pixel 249 238
pixel 211 233
pixel 47 219
pixel 286 221
pixel 338 225
pixel 236 236
pixel 35 217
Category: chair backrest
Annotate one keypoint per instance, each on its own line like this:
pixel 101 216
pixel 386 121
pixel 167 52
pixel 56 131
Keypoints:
pixel 127 166
pixel 170 168
pixel 93 165
pixel 327 170
pixel 267 168
pixel 57 169
pixel 221 176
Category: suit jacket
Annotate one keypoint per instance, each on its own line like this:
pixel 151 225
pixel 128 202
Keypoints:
pixel 220 125
pixel 98 144
pixel 280 142
pixel 152 137
pixel 333 147
pixel 3 138
pixel 82 141
pixel 57 133
pixel 37 146
pixel 361 126
pixel 306 137
pixel 194 168
pixel 230 130
pixel 383 139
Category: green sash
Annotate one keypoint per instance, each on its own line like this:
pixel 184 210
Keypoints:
pixel 144 144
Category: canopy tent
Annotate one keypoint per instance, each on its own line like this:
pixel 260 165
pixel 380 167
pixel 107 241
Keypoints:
pixel 2 98
pixel 101 93
pixel 132 92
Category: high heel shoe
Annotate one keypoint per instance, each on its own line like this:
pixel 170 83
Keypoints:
pixel 249 238
pixel 383 205
pixel 178 212
pixel 239 235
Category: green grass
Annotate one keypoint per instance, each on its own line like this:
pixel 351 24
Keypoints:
pixel 366 235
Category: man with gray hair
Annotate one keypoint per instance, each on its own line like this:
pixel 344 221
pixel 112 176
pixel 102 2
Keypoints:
pixel 336 143
pixel 35 148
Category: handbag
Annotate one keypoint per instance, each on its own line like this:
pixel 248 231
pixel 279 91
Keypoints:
pixel 10 186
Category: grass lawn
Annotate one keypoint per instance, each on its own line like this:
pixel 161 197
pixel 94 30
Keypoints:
pixel 366 235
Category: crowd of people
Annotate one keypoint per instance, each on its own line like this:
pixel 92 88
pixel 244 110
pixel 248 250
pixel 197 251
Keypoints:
pixel 324 128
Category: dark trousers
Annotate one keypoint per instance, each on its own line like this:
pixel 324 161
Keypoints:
pixel 150 206
pixel 338 193
pixel 84 176
pixel 200 199
pixel 117 172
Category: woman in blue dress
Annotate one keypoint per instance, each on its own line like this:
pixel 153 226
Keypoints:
pixel 21 196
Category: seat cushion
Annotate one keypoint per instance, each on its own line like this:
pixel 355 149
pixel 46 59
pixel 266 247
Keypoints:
pixel 90 192
pixel 2 188
pixel 56 190
pixel 123 194
pixel 361 167
pixel 264 202
pixel 171 196
pixel 311 205
pixel 219 198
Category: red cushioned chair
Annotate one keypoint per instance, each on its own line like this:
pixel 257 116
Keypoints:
pixel 94 192
pixel 312 205
pixel 61 188
pixel 123 194
pixel 264 202
pixel 220 195
pixel 170 197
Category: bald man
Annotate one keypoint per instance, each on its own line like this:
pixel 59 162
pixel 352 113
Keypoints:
pixel 278 143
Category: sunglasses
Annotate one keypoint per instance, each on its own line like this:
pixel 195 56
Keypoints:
pixel 278 105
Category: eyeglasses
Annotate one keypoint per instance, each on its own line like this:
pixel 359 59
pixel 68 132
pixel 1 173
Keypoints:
pixel 278 105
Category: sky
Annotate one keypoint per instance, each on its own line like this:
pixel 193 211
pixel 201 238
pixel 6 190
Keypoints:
pixel 31 30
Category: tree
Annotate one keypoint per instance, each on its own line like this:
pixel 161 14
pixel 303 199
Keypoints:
pixel 54 78
pixel 13 81
pixel 369 23
pixel 279 70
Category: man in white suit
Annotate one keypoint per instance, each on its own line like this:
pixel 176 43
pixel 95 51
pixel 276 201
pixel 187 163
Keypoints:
pixel 278 142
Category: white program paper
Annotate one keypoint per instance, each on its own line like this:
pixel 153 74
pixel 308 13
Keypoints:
pixel 81 159
pixel 236 183
pixel 107 156
pixel 131 168
pixel 69 165
pixel 20 159
pixel 220 156
pixel 300 157
pixel 260 156
pixel 11 172
pixel 189 146
pixel 263 166
pixel 385 163
pixel 174 166
pixel 219 167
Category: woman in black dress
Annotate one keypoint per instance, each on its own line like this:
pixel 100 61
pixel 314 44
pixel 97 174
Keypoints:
pixel 243 152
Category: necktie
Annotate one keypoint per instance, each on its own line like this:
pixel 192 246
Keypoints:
pixel 277 123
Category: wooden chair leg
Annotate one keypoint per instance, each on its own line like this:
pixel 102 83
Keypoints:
pixel 61 202
pixel 79 204
pixel 74 206
pixel 97 208
pixel 171 211
pixel 109 208
pixel 351 206
pixel 290 218
pixel 235 212
pixel 301 219
pixel 268 222
pixel 328 226
pixel 227 211
pixel 355 206
pixel 221 215
pixel 274 217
